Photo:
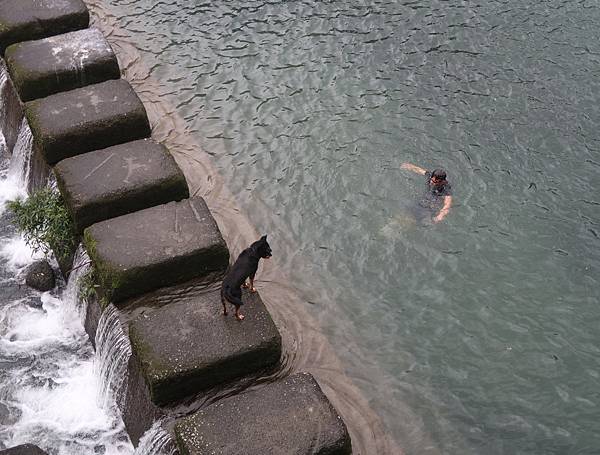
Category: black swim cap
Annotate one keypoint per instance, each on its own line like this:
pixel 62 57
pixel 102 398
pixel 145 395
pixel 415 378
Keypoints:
pixel 439 174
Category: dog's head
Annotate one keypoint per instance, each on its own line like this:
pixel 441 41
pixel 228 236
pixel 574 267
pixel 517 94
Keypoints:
pixel 261 247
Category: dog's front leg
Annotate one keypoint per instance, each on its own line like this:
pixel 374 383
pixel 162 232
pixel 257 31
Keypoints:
pixel 239 316
pixel 252 288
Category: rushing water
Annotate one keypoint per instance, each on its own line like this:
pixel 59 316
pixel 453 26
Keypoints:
pixel 48 386
pixel 483 326
pixel 112 353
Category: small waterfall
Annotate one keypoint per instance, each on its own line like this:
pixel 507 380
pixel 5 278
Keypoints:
pixel 3 79
pixel 19 168
pixel 11 111
pixel 156 441
pixel 14 179
pixel 72 293
pixel 112 355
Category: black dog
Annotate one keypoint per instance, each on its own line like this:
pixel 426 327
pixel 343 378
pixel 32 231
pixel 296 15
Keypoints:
pixel 245 267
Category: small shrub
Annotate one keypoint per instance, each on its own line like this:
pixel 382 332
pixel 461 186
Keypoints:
pixel 44 221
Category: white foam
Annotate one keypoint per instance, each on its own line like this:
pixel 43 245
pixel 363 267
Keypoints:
pixel 66 410
pixel 17 254
pixel 51 385
pixel 10 189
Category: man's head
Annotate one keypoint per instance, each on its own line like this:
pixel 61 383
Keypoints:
pixel 438 177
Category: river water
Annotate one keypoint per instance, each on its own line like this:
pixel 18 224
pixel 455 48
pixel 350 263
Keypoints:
pixel 477 335
pixel 483 327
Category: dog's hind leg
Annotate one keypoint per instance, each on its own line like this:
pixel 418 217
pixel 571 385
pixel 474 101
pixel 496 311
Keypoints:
pixel 224 302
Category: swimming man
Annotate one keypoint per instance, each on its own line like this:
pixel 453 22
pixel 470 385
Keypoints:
pixel 439 194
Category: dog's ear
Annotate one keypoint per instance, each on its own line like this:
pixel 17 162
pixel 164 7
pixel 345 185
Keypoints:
pixel 264 238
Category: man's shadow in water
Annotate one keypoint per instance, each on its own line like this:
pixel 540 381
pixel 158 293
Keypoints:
pixel 407 219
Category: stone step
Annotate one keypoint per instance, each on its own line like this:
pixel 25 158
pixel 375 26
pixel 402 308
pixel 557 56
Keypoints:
pixel 60 63
pixel 25 20
pixel 187 345
pixel 155 247
pixel 292 416
pixel 118 180
pixel 85 119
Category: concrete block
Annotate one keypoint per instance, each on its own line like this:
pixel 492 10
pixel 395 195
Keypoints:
pixel 291 417
pixel 60 63
pixel 187 345
pixel 85 119
pixel 117 180
pixel 24 20
pixel 155 247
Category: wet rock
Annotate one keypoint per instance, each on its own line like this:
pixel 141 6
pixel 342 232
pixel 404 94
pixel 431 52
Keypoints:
pixel 156 247
pixel 40 276
pixel 85 119
pixel 202 348
pixel 24 20
pixel 124 178
pixel 60 63
pixel 292 415
pixel 25 449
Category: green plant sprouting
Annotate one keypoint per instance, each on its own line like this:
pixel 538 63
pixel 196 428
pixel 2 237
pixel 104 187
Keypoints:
pixel 45 223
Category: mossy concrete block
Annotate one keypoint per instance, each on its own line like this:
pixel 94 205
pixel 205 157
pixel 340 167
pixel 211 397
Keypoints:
pixel 156 247
pixel 25 20
pixel 61 63
pixel 292 417
pixel 85 119
pixel 117 180
pixel 201 348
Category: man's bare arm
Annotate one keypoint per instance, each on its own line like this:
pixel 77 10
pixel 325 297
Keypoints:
pixel 412 167
pixel 444 210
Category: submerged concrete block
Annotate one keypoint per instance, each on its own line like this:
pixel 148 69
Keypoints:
pixel 24 20
pixel 187 345
pixel 85 119
pixel 117 180
pixel 291 417
pixel 61 63
pixel 155 247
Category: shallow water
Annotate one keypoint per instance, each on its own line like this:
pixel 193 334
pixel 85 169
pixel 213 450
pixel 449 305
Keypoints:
pixel 476 335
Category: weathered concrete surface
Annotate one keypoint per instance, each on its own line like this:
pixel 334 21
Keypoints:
pixel 155 247
pixel 117 180
pixel 85 119
pixel 138 411
pixel 23 20
pixel 60 63
pixel 201 348
pixel 24 449
pixel 288 417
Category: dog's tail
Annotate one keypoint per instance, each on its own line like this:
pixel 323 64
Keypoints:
pixel 231 298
